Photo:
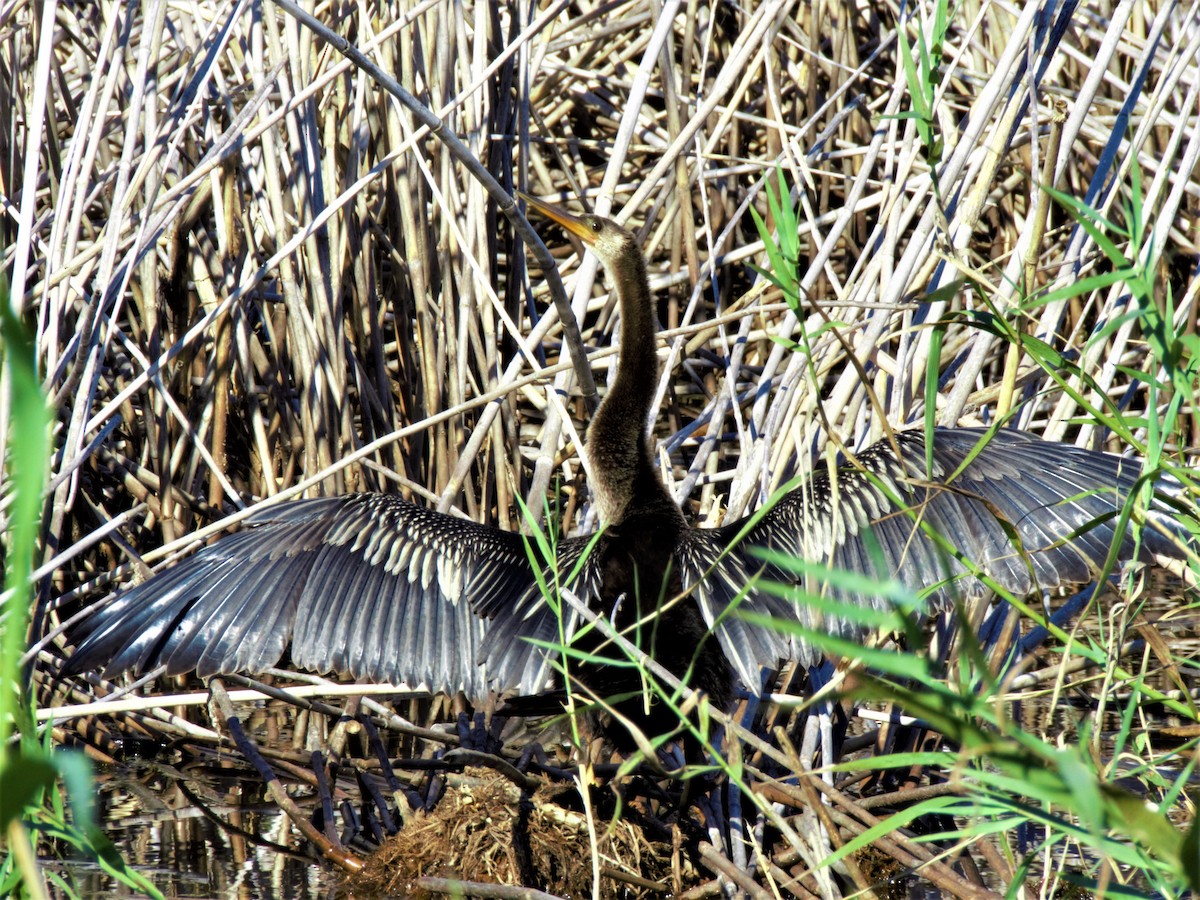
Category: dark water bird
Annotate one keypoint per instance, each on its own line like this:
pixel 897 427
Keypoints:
pixel 373 587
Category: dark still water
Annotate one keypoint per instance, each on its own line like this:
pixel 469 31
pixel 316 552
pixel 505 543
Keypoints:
pixel 161 826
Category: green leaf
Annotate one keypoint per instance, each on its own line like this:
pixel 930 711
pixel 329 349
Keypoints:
pixel 902 665
pixel 1081 782
pixel 931 391
pixel 23 781
pixel 76 773
pixel 892 823
pixel 1189 856
pixel 26 469
pixel 915 759
pixel 1094 224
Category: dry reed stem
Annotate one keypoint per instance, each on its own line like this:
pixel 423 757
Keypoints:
pixel 253 274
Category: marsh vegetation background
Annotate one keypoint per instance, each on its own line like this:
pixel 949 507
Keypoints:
pixel 251 272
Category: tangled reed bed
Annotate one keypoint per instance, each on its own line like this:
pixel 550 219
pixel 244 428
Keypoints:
pixel 252 272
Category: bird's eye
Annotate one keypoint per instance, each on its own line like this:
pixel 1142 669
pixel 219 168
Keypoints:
pixel 595 223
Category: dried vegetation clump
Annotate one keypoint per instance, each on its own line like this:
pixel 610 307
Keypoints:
pixel 484 830
pixel 251 272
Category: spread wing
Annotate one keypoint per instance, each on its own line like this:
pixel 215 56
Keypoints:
pixel 374 587
pixel 723 584
pixel 1028 513
pixel 367 585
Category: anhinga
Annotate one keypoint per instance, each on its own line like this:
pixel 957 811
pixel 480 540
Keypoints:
pixel 374 587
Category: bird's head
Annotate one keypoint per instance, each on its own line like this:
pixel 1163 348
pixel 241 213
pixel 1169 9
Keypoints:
pixel 608 240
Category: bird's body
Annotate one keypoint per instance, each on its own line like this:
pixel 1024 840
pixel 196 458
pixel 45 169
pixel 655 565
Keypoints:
pixel 372 586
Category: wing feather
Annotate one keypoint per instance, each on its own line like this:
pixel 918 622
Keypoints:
pixel 367 585
pixel 722 586
pixel 1059 500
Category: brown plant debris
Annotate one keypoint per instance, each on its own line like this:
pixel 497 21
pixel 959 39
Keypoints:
pixel 485 830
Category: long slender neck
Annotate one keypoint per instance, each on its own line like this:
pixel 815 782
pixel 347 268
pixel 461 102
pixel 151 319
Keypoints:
pixel 617 443
pixel 632 389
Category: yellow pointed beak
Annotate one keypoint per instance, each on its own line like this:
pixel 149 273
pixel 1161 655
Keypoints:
pixel 573 224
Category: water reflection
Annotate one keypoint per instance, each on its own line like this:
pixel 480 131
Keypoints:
pixel 160 820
